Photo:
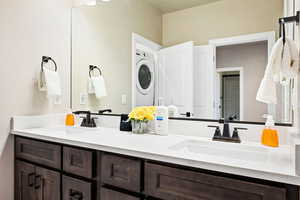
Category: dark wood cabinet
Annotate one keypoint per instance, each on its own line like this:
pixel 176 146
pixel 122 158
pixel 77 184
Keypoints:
pixel 75 189
pixel 78 161
pixel 176 184
pixel 39 152
pixel 35 183
pixel 107 194
pixel 50 171
pixel 47 184
pixel 24 181
pixel 121 172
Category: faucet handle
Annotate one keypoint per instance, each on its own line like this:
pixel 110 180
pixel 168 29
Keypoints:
pixel 217 131
pixel 235 134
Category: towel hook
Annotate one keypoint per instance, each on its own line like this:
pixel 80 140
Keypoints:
pixel 282 32
pixel 92 68
pixel 284 20
pixel 45 59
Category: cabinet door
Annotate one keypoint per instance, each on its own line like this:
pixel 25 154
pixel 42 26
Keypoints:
pixel 75 189
pixel 78 161
pixel 176 184
pixel 107 194
pixel 24 181
pixel 121 172
pixel 47 184
pixel 42 153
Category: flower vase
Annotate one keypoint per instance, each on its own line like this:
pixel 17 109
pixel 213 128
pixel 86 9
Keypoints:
pixel 139 127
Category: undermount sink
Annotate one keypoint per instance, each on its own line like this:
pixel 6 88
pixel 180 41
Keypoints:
pixel 219 149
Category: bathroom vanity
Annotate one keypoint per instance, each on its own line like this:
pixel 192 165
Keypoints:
pixel 90 164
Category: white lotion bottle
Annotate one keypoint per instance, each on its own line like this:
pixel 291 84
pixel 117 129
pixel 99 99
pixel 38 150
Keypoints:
pixel 162 120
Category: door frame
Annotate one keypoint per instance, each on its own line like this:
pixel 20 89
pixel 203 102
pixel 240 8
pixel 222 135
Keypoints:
pixel 270 37
pixel 219 79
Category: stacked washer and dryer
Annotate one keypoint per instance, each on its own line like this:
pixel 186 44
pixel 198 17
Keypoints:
pixel 145 78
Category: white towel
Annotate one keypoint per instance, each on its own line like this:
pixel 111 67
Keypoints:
pixel 52 83
pixel 283 65
pixel 290 62
pixel 90 86
pixel 99 86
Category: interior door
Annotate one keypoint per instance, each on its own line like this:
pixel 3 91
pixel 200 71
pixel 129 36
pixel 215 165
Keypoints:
pixel 176 76
pixel 24 178
pixel 231 97
pixel 204 81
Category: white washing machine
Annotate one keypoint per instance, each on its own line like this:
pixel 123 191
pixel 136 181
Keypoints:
pixel 145 79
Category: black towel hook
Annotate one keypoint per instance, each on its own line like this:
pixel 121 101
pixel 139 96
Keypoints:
pixel 45 59
pixel 282 32
pixel 92 68
pixel 285 20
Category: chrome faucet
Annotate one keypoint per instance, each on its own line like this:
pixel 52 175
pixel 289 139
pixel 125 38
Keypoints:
pixel 225 136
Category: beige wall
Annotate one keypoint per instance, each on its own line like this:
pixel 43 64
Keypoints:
pixel 253 59
pixel 29 30
pixel 221 19
pixel 102 36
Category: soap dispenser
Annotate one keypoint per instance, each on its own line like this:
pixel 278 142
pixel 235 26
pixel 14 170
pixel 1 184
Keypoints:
pixel 270 135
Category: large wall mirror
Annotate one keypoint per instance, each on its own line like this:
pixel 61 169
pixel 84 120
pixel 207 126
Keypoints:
pixel 206 57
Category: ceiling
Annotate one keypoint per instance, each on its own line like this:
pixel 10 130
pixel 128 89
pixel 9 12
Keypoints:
pixel 167 6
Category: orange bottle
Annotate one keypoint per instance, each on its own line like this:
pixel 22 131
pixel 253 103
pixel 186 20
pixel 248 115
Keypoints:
pixel 70 120
pixel 269 134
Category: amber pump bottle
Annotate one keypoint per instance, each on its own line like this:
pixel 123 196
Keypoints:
pixel 270 134
pixel 70 119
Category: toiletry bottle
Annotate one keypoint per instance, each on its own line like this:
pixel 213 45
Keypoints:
pixel 173 111
pixel 70 119
pixel 161 120
pixel 269 134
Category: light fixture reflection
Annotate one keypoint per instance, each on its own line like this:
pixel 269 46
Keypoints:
pixel 78 3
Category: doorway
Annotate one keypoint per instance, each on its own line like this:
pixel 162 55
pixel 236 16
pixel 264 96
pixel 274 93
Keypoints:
pixel 230 96
pixel 229 92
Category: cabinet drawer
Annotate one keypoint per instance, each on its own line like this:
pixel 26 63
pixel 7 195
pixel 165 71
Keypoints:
pixel 121 172
pixel 107 194
pixel 175 184
pixel 39 152
pixel 78 161
pixel 75 189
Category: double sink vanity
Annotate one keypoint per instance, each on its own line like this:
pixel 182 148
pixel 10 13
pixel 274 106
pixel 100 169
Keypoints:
pixel 76 163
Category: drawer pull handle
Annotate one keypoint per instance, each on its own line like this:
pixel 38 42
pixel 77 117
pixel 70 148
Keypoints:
pixel 31 179
pixel 37 181
pixel 75 195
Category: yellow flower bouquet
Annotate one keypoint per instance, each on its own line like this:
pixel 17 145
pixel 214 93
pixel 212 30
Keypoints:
pixel 140 116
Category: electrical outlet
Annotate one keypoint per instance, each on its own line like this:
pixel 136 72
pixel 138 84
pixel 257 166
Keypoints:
pixel 83 99
pixel 124 99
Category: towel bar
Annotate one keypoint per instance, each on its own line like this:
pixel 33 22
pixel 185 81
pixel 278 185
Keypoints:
pixel 45 59
pixel 92 68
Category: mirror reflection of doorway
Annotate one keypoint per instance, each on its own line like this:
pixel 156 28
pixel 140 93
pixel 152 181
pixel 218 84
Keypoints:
pixel 229 93
pixel 230 96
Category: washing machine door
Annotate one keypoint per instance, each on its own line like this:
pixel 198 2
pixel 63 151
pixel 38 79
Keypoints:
pixel 145 76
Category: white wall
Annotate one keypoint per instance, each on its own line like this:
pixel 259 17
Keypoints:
pixel 29 29
pixel 102 36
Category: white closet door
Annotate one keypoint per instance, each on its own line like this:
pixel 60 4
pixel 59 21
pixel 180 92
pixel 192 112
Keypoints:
pixel 204 82
pixel 176 76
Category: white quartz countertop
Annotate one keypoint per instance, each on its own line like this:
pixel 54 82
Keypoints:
pixel 275 164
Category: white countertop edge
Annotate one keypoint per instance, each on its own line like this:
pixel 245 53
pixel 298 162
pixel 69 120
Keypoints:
pixel 289 179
